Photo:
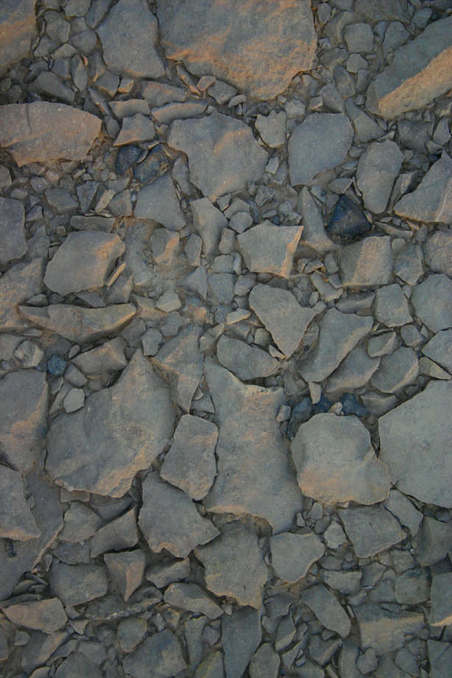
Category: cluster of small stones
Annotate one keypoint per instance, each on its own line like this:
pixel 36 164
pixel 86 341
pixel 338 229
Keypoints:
pixel 225 339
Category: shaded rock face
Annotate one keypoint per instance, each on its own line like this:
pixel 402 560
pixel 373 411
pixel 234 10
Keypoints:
pixel 256 46
pixel 17 28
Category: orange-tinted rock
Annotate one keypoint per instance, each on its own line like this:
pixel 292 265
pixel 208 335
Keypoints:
pixel 17 27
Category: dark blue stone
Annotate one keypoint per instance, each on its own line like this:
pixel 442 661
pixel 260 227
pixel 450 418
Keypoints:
pixel 322 406
pixel 300 413
pixel 351 405
pixel 127 156
pixel 348 221
pixel 56 365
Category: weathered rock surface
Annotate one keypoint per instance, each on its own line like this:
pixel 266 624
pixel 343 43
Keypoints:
pixel 159 201
pixel 77 584
pixel 254 476
pixel 414 444
pixel 18 284
pixel 117 535
pixel 371 529
pixel 12 232
pixel 119 432
pixel 441 614
pixel 257 47
pixel 432 199
pixel 366 263
pixel 420 72
pixel 161 651
pixel 45 132
pixel 432 301
pixel 246 362
pixel 241 634
pixel 327 609
pixel 16 520
pixel 192 597
pixel 43 615
pixel 378 168
pixel 353 372
pixel 386 629
pixel 270 249
pixel 293 554
pixel 209 222
pixel 396 370
pixel 126 569
pixel 438 251
pixel 17 28
pixel 439 349
pixel 223 155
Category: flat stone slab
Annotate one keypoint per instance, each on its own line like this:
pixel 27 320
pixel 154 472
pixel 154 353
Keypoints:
pixel 161 651
pixel 228 40
pixel 378 168
pixel 45 132
pixel 371 529
pixel 294 553
pixel 366 263
pixel 158 201
pixel 42 615
pixel 17 28
pixel 432 301
pixel 246 362
pixel 431 201
pixel 386 628
pixel 327 609
pixel 270 249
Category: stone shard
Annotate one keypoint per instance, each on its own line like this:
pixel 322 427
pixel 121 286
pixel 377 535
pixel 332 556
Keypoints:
pixel 246 362
pixel 415 444
pixel 18 284
pixel 432 301
pixel 439 349
pixel 339 334
pixel 117 535
pixel 336 462
pixel 209 222
pixel 319 143
pixel 77 664
pixel 438 251
pixel 126 570
pixel 385 629
pixel 420 72
pixel 432 199
pixel 12 231
pixel 160 653
pixel 240 635
pixel 223 155
pixel 77 584
pixel 42 615
pixel 193 598
pixel 254 476
pixel 378 168
pixel 45 132
pixel 234 565
pixel 371 529
pixel 17 28
pixel 16 520
pixel 169 519
pixel 258 47
pixel 367 262
pixel 120 431
pixel 158 201
pixel 282 316
pixel 327 609
pixel 440 658
pixel 77 323
pixel 129 36
pixel 293 554
pixel 267 248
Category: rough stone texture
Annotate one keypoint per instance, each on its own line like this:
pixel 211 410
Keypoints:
pixel 269 249
pixel 420 72
pixel 223 155
pixel 43 615
pixel 327 609
pixel 293 554
pixel 234 565
pixel 23 415
pixel 45 132
pixel 272 128
pixel 246 362
pixel 192 597
pixel 17 28
pixel 371 529
pixel 414 439
pixel 16 520
pixel 12 232
pixel 118 534
pixel 119 432
pixel 265 662
pixel 391 306
pixel 336 462
pixel 432 301
pixel 319 143
pixel 366 263
pixel 353 372
pixel 128 36
pixel 126 570
pixel 440 658
pixel 432 199
pixel 77 664
pixel 241 635
pixel 161 651
pixel 82 261
pixel 439 349
pixel 254 476
pixel 386 630
pixel 209 222
pixel 169 519
pixel 17 285
pixel 378 168
pixel 159 201
pixel 438 251
pixel 257 47
pixel 77 584
pixel 396 370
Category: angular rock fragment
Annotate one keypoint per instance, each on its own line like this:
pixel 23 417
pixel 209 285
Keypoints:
pixel 108 357
pixel 335 461
pixel 378 168
pixel 246 362
pixel 45 132
pixel 19 283
pixel 209 222
pixel 272 128
pixel 43 615
pixel 402 508
pixel 158 201
pixel 293 554
pixel 386 628
pixel 126 570
pixel 80 523
pixel 254 476
pixel 134 129
pixel 371 529
pixel 160 651
pixel 438 251
pixel 168 571
pixel 192 597
pixel 432 199
pixel 169 519
pixel 17 28
pixel 120 533
pixel 313 235
pixel 181 359
pixel 414 444
pixel 327 609
pixel 16 520
pixel 82 261
pixel 366 263
pixel 412 587
pixel 439 349
pixel 408 82
pixel 391 306
pixel 348 221
pixel 77 323
pixel 240 634
pixel 265 662
pixel 269 249
pixel 257 47
pixel 319 143
pixel 432 301
pixel 353 372
pixel 77 584
pixel 396 370
pixel 12 232
pixel 223 155
pixel 234 565
pixel 120 431
pixel 440 658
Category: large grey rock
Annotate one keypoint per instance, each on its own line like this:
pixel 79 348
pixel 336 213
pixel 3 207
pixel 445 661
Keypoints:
pixel 335 461
pixel 19 283
pixel 319 143
pixel 293 554
pixel 408 82
pixel 433 542
pixel 432 199
pixel 16 520
pixel 45 132
pixel 161 651
pixel 386 628
pixel 246 362
pixel 438 251
pixel 432 301
pixel 223 155
pixel 254 476
pixel 257 47
pixel 12 232
pixel 327 609
pixel 42 615
pixel 371 529
pixel 129 36
pixel 169 519
pixel 353 372
pixel 339 334
pixel 414 443
pixel 158 201
pixel 378 168
pixel 240 635
pixel 17 28
pixel 267 248
pixel 126 571
pixel 120 431
pixel 439 349
pixel 265 663
pixel 367 262
pixel 117 535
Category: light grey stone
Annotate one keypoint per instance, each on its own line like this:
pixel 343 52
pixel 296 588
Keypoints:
pixel 386 629
pixel 344 582
pixel 391 306
pixel 359 38
pixel 272 128
pixel 366 128
pixel 354 371
pixel 240 634
pixel 438 252
pixel 432 199
pixel 408 264
pixel 378 168
pixel 211 666
pixel 209 222
pixel 16 520
pixel 412 587
pixel 402 508
pixel 366 263
pixel 433 542
pixel 12 232
pixel 396 370
pixel 130 633
pixel 167 572
pixel 294 553
pixel 158 201
pixel 108 357
pixel 161 651
pixel 314 235
pixel 193 598
pixel 327 609
pixel 80 523
pixel 371 529
pixel 42 615
pixel 246 362
pixel 135 129
pixel 267 248
pixel 432 301
pixel 77 664
pixel 439 349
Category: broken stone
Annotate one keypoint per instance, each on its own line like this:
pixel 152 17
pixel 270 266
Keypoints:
pixel 396 370
pixel 234 565
pixel 327 609
pixel 391 306
pixel 432 301
pixel 160 651
pixel 77 664
pixel 313 234
pixel 386 628
pixel 134 129
pixel 193 598
pixel 45 132
pixel 77 584
pixel 229 44
pixel 366 263
pixel 169 571
pixel 354 371
pixel 17 29
pixel 43 615
pixel 348 221
pixel 412 587
pixel 402 508
pixel 108 357
pixel 16 520
pixel 164 245
pixel 438 252
pixel 241 635
pixel 319 143
pixel 246 362
pixel 211 666
pixel 293 554
pixel 440 658
pixel 272 128
pixel 126 570
pixel 378 168
pixel 209 222
pixel 18 284
pixel 413 444
pixel 265 663
pixel 190 463
pixel 408 264
pixel 254 476
pixel 432 199
pixel 371 529
pixel 131 632
pixel 269 249
pixel 439 349
pixel 169 519
pixel 118 534
pixel 80 523
pixel 223 155
pixel 12 232
pixel 335 461
pixel 137 419
pixel 159 201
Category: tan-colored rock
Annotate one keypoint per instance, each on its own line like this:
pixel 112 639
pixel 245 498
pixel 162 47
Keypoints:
pixel 267 248
pixel 43 615
pixel 17 27
pixel 45 132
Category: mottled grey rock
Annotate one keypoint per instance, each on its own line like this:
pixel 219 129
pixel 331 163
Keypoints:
pixel 439 349
pixel 169 519
pixel 12 232
pixel 438 251
pixel 432 199
pixel 382 344
pixel 353 372
pixel 408 264
pixel 241 635
pixel 272 128
pixel 161 651
pixel 76 666
pixel 119 432
pixel 43 615
pixel 17 29
pixel 371 529
pixel 16 520
pixel 267 248
pixel 158 201
pixel 18 284
pixel 319 143
pixel 344 582
pixel 193 598
pixel 414 444
pixel 327 609
pixel 120 533
pixel 254 476
pixel 391 306
pixel 335 461
pixel 366 263
pixel 227 41
pixel 386 628
pixel 293 554
pixel 77 584
pixel 282 316
pixel 234 565
pixel 45 132
pixel 378 168
pixel 396 370
pixel 265 662
pixel 132 50
pixel 407 83
pixel 432 301
pixel 246 362
pixel 223 155
pixel 339 334
pixel 131 632
pixel 126 570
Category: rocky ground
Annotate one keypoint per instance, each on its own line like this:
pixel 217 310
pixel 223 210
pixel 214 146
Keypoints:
pixel 226 338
